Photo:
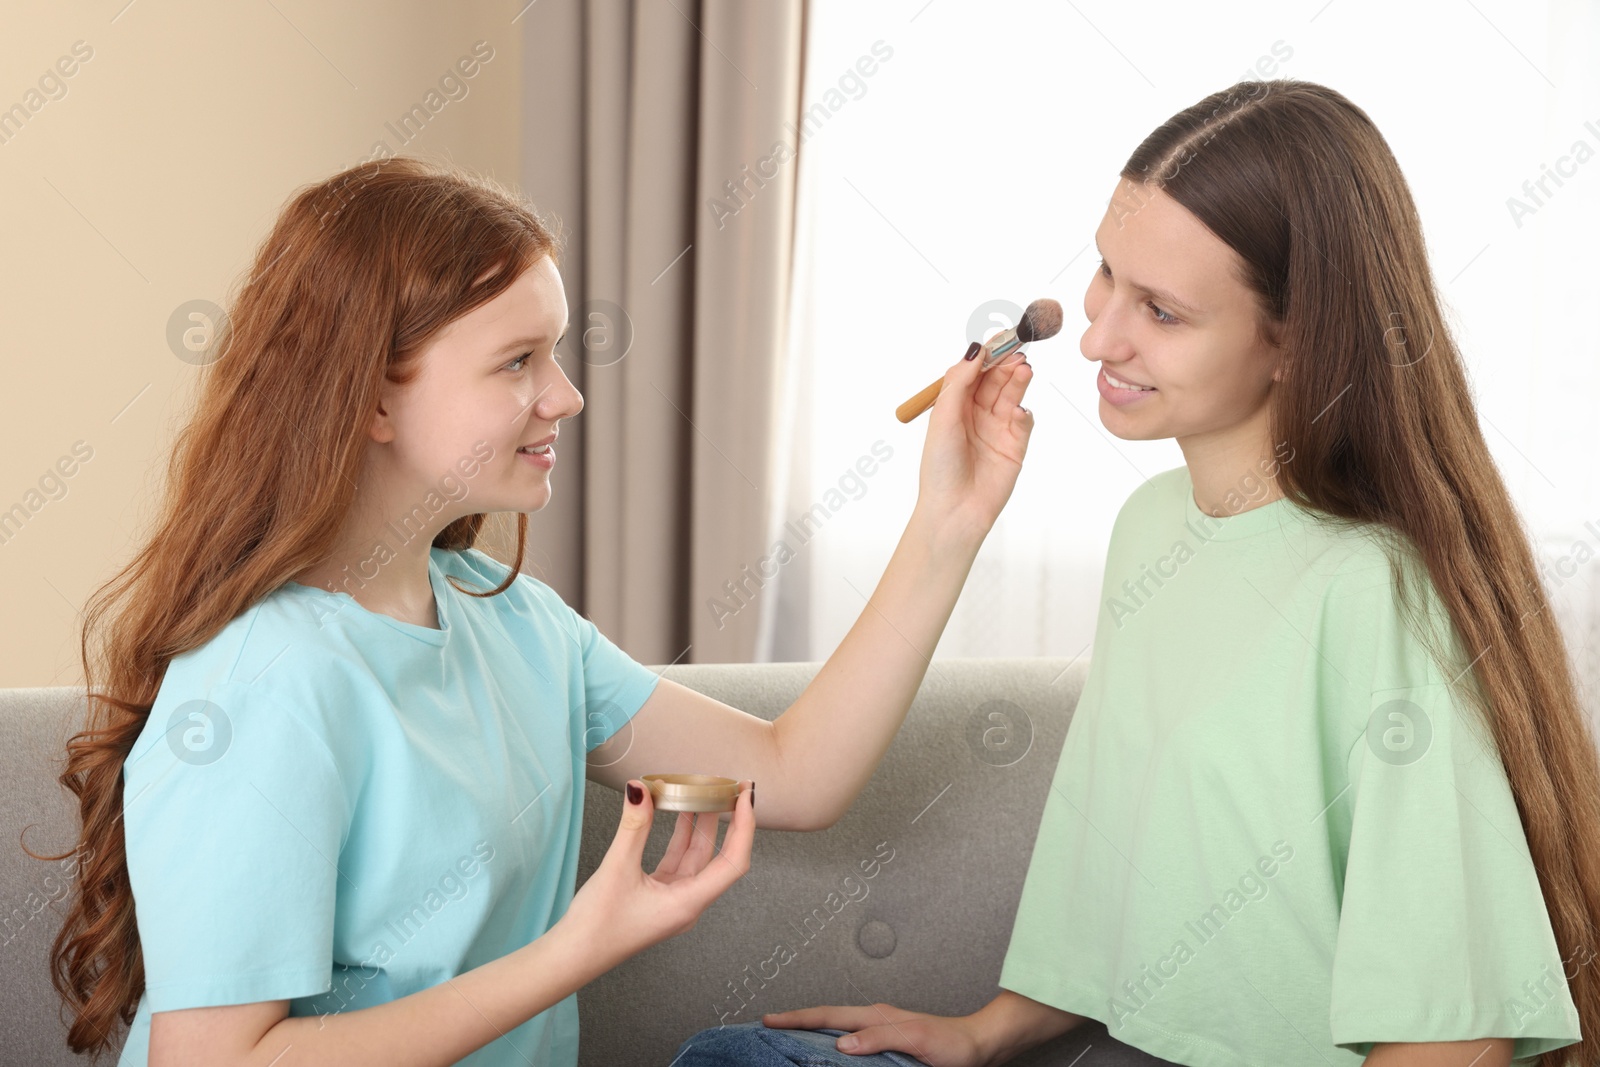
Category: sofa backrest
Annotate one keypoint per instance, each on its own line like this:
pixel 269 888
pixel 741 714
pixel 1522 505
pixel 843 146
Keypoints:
pixel 908 899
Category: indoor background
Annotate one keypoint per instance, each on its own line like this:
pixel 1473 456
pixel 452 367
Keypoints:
pixel 781 219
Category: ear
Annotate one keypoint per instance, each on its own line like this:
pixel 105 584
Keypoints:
pixel 1269 334
pixel 381 429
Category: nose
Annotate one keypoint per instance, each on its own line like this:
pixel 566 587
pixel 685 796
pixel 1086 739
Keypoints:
pixel 1102 340
pixel 561 399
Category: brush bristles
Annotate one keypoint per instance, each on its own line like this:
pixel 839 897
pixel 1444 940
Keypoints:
pixel 1041 320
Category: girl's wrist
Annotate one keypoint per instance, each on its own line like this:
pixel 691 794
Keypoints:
pixel 947 530
pixel 1011 1024
pixel 568 938
pixel 992 1039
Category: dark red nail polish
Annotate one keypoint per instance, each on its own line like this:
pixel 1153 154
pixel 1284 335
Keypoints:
pixel 972 350
pixel 635 794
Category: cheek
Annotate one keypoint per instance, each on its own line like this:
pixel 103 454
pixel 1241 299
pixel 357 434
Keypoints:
pixel 473 425
pixel 1183 370
pixel 495 411
pixel 1218 383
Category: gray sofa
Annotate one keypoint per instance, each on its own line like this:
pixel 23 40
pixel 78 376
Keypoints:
pixel 945 826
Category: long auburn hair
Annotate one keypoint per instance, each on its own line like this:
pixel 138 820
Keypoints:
pixel 1376 410
pixel 359 273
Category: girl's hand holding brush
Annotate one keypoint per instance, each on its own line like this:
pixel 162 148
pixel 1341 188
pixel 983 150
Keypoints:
pixel 1041 320
pixel 977 435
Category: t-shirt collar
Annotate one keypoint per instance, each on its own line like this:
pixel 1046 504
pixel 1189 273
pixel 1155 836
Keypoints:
pixel 1246 523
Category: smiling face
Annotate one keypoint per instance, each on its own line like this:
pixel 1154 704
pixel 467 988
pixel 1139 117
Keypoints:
pixel 1167 310
pixel 489 383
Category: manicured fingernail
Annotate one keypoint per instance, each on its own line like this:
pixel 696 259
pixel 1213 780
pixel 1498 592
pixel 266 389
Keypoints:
pixel 972 350
pixel 847 1043
pixel 635 794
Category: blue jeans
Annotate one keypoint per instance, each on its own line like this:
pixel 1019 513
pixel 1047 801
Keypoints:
pixel 754 1044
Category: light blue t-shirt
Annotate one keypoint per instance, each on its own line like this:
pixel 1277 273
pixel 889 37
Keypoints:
pixel 332 806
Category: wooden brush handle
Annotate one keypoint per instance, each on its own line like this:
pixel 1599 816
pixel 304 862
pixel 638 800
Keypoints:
pixel 924 400
pixel 921 402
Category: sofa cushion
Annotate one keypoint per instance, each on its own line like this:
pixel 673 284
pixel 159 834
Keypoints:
pixel 908 899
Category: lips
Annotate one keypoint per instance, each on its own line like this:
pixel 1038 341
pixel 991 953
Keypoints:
pixel 1123 383
pixel 543 443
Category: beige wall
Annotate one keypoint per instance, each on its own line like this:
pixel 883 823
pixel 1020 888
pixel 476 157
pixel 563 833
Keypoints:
pixel 147 182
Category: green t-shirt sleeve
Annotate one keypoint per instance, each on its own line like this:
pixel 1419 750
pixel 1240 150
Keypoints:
pixel 1443 933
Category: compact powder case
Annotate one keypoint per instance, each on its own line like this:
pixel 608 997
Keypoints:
pixel 692 792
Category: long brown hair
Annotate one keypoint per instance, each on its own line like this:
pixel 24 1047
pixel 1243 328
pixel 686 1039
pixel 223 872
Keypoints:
pixel 1376 410
pixel 358 274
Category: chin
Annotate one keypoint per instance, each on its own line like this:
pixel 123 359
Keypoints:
pixel 1133 432
pixel 526 502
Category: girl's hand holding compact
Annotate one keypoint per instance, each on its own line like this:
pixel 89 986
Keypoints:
pixel 621 911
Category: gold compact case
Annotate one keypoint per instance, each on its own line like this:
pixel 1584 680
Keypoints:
pixel 692 792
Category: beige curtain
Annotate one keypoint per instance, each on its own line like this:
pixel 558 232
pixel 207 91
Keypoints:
pixel 661 134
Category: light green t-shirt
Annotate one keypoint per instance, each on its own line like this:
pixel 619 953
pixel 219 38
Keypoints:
pixel 1274 836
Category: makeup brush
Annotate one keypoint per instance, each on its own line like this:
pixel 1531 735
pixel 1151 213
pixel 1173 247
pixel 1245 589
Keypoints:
pixel 1041 320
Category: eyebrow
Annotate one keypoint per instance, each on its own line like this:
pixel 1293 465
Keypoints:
pixel 525 342
pixel 1160 294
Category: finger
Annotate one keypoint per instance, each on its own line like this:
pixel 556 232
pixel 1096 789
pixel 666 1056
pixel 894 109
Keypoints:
pixel 905 1036
pixel 994 380
pixel 959 382
pixel 682 834
pixel 1022 423
pixel 1009 395
pixel 825 1017
pixel 702 845
pixel 628 846
pixel 734 858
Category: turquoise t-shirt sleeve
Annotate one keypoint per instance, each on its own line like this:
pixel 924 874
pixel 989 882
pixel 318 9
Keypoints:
pixel 1443 933
pixel 234 816
pixel 615 685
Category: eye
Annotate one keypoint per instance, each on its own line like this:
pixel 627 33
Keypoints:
pixel 1163 317
pixel 519 359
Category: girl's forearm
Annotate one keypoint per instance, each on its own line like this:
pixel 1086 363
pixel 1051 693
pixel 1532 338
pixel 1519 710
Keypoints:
pixel 441 1024
pixel 836 732
pixel 1011 1023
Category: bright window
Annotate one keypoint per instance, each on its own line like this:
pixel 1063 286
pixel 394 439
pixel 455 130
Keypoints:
pixel 973 164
